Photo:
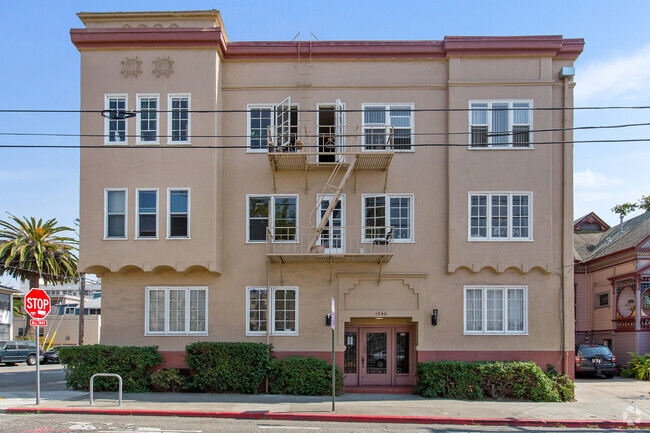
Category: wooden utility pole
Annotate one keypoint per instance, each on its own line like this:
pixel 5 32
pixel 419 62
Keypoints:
pixel 82 301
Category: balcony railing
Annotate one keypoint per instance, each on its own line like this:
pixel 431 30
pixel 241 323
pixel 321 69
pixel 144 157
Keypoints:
pixel 625 324
pixel 334 244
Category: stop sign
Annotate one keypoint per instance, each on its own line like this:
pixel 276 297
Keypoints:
pixel 37 304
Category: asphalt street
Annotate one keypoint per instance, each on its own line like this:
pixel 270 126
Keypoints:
pixel 22 377
pixel 136 424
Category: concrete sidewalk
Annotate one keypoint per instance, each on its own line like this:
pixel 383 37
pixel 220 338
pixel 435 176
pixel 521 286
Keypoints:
pixel 605 403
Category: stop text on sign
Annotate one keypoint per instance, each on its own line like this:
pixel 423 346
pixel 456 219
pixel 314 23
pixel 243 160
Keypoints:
pixel 40 305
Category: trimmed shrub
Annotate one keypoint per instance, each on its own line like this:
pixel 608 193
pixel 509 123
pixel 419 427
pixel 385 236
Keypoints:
pixel 300 375
pixel 497 380
pixel 167 380
pixel 132 363
pixel 227 367
pixel 563 383
pixel 638 367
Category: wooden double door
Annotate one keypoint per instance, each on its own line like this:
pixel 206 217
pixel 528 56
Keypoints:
pixel 379 355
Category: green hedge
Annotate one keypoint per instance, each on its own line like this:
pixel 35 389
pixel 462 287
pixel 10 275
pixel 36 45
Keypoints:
pixel 479 380
pixel 227 367
pixel 299 375
pixel 167 380
pixel 132 363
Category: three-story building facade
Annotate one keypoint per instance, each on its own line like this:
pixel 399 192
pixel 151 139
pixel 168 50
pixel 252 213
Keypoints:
pixel 231 190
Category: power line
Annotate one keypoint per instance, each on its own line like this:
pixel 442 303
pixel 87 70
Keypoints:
pixel 351 110
pixel 370 148
pixel 499 134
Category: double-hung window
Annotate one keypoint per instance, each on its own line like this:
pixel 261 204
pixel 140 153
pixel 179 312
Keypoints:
pixel 500 216
pixel 146 223
pixel 283 311
pixel 500 124
pixel 279 213
pixel 495 310
pixel 115 122
pixel 265 118
pixel 178 222
pixel 115 213
pixel 147 119
pixel 178 119
pixel 388 213
pixel 176 311
pixel 388 126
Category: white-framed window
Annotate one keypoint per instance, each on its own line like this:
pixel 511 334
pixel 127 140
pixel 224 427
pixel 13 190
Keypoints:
pixel 115 210
pixel 495 310
pixel 380 120
pixel 115 124
pixel 178 213
pixel 500 124
pixel 280 212
pixel 147 119
pixel 146 220
pixel 264 117
pixel 283 310
pixel 178 118
pixel 383 211
pixel 176 310
pixel 500 216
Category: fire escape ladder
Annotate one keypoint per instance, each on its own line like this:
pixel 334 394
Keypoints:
pixel 331 192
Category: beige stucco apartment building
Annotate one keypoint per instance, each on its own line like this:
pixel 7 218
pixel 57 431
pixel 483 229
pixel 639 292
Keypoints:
pixel 230 190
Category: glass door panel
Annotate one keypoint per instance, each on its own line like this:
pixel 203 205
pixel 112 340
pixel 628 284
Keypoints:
pixel 402 353
pixel 333 234
pixel 350 354
pixel 376 350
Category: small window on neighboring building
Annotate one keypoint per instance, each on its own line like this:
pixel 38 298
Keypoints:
pixel 500 124
pixel 602 300
pixel 179 119
pixel 115 126
pixel 115 222
pixel 179 213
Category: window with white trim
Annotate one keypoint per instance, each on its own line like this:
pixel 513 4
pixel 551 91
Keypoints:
pixel 147 119
pixel 146 222
pixel 262 118
pixel 283 311
pixel 115 213
pixel 382 212
pixel 382 120
pixel 500 124
pixel 280 212
pixel 500 216
pixel 178 119
pixel 115 124
pixel 178 222
pixel 495 310
pixel 176 310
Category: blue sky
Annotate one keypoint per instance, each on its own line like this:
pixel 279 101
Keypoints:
pixel 41 70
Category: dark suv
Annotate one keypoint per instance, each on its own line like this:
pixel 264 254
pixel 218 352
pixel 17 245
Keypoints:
pixel 12 352
pixel 595 359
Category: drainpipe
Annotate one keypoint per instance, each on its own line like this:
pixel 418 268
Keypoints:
pixel 567 74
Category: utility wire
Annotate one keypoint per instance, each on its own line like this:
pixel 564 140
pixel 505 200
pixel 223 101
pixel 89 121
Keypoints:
pixel 499 134
pixel 351 110
pixel 369 148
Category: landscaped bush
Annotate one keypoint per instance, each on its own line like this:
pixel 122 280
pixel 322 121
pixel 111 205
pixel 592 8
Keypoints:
pixel 638 367
pixel 167 380
pixel 563 383
pixel 132 363
pixel 299 375
pixel 227 367
pixel 479 380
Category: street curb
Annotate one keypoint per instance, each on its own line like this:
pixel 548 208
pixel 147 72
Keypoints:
pixel 342 418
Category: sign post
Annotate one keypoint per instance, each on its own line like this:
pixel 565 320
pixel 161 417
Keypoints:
pixel 333 358
pixel 38 305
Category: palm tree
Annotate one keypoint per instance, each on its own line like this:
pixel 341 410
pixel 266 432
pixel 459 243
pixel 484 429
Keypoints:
pixel 30 250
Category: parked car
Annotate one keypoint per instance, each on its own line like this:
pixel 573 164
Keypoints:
pixel 13 351
pixel 595 359
pixel 378 359
pixel 52 356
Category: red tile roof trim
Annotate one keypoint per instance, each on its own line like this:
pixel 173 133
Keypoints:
pixel 555 46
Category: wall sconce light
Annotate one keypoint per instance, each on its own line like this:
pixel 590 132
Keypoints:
pixel 328 320
pixel 434 317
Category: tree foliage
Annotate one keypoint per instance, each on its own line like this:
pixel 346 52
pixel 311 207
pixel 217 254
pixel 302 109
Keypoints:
pixel 624 209
pixel 31 249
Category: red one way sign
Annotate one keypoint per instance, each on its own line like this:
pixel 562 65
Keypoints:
pixel 37 304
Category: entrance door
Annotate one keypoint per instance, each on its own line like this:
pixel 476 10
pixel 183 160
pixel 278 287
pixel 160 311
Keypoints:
pixel 379 355
pixel 333 234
